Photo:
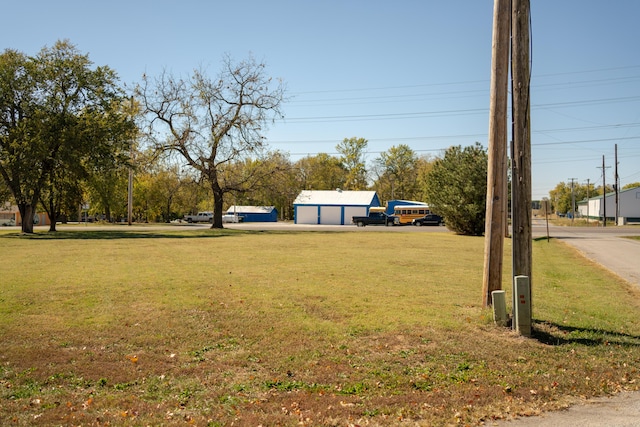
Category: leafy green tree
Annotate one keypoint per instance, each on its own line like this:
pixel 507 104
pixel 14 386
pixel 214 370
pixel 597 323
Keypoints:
pixel 194 195
pixel 107 192
pixel 631 185
pixel 320 172
pixel 278 188
pixel 561 197
pixel 21 153
pixel 456 188
pixel 352 151
pixel 214 122
pixel 600 191
pixel 424 164
pixel 283 187
pixel 396 170
pixel 165 191
pixel 5 194
pixel 58 113
pixel 61 195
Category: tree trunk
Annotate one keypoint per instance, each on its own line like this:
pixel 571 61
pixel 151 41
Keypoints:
pixel 53 215
pixel 218 202
pixel 52 226
pixel 168 217
pixel 26 213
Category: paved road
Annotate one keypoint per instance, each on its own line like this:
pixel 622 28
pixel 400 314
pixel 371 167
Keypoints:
pixel 608 247
pixel 621 410
pixel 605 245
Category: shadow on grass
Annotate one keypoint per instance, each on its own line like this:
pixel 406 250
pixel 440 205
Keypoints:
pixel 116 234
pixel 155 234
pixel 555 334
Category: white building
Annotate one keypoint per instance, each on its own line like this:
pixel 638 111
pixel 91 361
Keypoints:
pixel 334 207
pixel 595 208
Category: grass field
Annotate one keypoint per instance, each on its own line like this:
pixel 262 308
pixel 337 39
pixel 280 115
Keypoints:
pixel 233 327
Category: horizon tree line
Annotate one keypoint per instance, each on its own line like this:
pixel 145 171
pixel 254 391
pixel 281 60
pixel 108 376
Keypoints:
pixel 70 134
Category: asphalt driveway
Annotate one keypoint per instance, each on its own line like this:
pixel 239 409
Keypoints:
pixel 607 246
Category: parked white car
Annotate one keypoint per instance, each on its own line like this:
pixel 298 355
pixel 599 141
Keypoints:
pixel 232 218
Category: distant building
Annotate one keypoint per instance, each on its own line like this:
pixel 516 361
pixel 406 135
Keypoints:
pixel 334 207
pixel 255 213
pixel 628 205
pixel 10 215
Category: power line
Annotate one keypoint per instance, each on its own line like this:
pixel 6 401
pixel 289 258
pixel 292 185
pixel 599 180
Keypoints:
pixel 386 116
pixel 423 114
pixel 584 141
pixel 412 97
pixel 484 81
pixel 471 135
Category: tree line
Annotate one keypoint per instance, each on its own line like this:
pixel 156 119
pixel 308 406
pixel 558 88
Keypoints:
pixel 70 134
pixel 565 196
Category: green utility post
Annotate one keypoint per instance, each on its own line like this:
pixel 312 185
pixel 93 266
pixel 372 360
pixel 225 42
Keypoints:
pixel 499 307
pixel 522 309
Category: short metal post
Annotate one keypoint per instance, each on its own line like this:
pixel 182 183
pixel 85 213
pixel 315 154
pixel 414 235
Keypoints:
pixel 499 308
pixel 522 309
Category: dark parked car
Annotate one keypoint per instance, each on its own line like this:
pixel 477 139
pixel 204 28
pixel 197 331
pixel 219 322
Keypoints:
pixel 375 218
pixel 429 219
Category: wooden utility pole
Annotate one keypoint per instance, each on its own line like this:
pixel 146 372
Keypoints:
pixel 573 201
pixel 521 178
pixel 496 170
pixel 616 186
pixel 130 184
pixel 588 203
pixel 604 194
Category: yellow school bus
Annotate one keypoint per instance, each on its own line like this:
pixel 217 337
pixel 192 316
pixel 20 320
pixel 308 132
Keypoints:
pixel 407 213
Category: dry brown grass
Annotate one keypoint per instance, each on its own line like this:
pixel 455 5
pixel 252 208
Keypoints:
pixel 220 328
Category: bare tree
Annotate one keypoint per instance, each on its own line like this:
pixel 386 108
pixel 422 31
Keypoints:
pixel 214 122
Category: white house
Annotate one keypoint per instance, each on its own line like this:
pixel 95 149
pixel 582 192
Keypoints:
pixel 628 206
pixel 334 207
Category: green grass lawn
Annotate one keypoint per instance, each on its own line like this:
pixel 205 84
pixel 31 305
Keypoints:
pixel 296 328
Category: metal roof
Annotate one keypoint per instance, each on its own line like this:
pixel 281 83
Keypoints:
pixel 251 209
pixel 335 197
pixel 611 194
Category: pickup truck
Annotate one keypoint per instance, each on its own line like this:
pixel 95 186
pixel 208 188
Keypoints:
pixel 375 218
pixel 200 217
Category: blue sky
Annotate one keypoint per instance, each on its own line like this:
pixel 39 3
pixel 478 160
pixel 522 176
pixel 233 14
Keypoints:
pixel 412 72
